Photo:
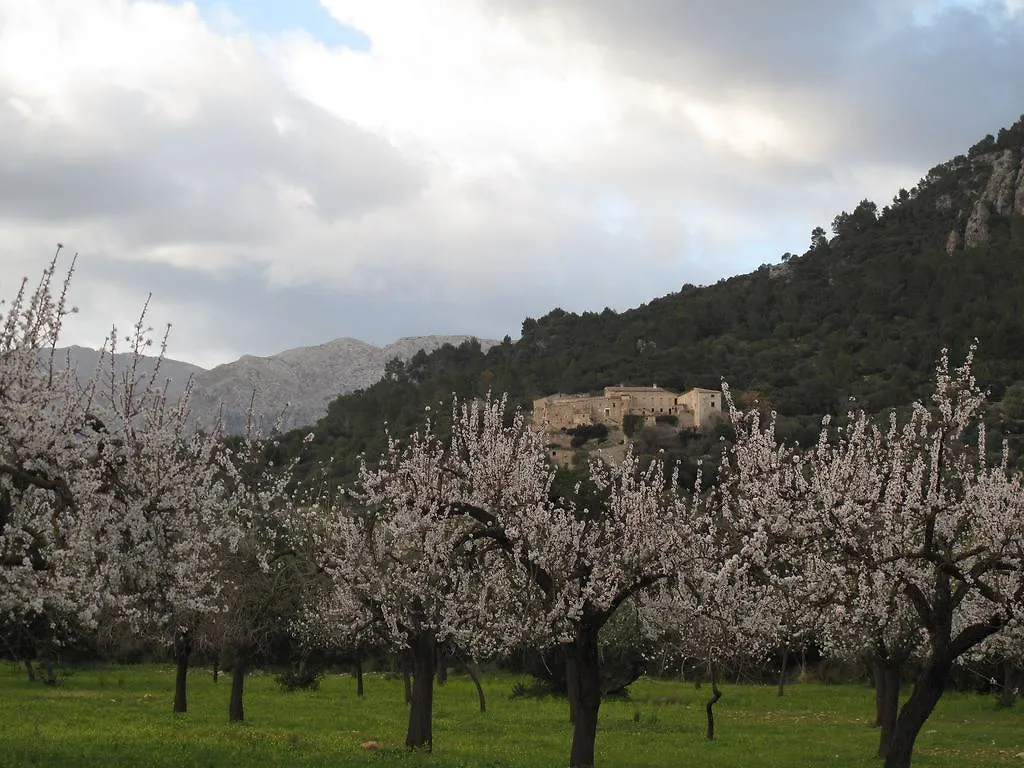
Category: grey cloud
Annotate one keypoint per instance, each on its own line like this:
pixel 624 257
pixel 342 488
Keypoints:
pixel 215 178
pixel 742 42
pixel 890 80
pixel 923 89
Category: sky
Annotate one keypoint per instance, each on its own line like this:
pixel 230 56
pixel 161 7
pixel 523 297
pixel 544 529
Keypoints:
pixel 280 173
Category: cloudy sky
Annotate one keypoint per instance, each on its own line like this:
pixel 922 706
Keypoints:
pixel 283 172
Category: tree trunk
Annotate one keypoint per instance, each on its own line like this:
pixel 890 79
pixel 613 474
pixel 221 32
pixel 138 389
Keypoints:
pixel 359 674
pixel 571 681
pixel 421 714
pixel 1008 693
pixel 927 691
pixel 30 670
pixel 47 664
pixel 710 706
pixel 216 669
pixel 586 701
pixel 182 651
pixel 476 681
pixel 442 668
pixel 782 672
pixel 236 711
pixel 887 702
pixel 406 677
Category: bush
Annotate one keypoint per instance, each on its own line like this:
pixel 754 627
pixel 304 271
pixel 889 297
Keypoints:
pixel 631 423
pixel 586 432
pixel 534 689
pixel 302 678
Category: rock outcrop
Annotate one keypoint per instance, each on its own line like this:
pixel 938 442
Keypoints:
pixel 1018 203
pixel 1002 184
pixel 977 231
pixel 954 242
pixel 999 176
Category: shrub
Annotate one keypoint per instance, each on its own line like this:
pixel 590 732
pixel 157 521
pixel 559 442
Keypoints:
pixel 586 432
pixel 631 423
pixel 302 678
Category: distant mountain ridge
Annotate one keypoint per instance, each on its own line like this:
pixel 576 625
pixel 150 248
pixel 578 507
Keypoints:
pixel 298 383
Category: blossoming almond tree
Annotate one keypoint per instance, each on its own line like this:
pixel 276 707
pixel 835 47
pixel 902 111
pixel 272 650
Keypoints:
pixel 1005 651
pixel 909 522
pixel 713 613
pixel 767 502
pixel 110 504
pixel 168 506
pixel 261 578
pixel 583 563
pixel 51 573
pixel 395 554
pixel 459 539
pixel 738 590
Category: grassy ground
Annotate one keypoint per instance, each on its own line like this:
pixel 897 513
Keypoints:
pixel 121 716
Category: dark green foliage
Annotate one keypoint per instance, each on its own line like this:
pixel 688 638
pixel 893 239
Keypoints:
pixel 860 316
pixel 587 432
pixel 631 424
pixel 535 688
pixel 300 678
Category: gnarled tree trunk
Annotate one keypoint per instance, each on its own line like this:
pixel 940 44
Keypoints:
pixel 30 670
pixel 49 670
pixel 479 688
pixel 887 701
pixel 421 714
pixel 584 684
pixel 927 691
pixel 1008 693
pixel 782 671
pixel 442 668
pixel 709 708
pixel 406 676
pixel 571 682
pixel 359 673
pixel 182 652
pixel 236 709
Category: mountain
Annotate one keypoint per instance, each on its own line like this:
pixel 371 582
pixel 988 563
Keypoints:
pixel 174 373
pixel 861 313
pixel 297 382
pixel 301 382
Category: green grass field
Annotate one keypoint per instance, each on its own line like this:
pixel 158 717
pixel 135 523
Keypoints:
pixel 121 716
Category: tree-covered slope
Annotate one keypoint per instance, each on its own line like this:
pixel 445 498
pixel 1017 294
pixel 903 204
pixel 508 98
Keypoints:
pixel 862 313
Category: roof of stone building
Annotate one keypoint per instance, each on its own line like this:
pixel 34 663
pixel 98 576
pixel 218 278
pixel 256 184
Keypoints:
pixel 652 388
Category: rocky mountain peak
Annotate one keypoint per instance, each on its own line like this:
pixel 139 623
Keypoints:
pixel 295 385
pixel 993 192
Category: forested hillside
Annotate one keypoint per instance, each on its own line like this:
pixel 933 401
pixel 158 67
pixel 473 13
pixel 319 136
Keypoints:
pixel 862 313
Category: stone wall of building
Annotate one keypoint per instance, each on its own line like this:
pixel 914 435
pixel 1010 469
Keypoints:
pixel 695 408
pixel 705 405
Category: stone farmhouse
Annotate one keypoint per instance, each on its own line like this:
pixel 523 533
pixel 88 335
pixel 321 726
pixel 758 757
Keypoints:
pixel 696 408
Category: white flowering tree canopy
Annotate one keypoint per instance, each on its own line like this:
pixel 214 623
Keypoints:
pixel 109 500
